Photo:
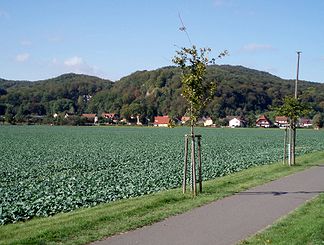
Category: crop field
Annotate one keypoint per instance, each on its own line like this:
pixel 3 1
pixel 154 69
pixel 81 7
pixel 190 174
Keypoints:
pixel 47 170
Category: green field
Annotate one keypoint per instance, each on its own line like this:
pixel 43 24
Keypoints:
pixel 46 170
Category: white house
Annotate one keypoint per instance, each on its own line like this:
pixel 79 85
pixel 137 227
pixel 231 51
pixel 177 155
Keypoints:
pixel 236 122
pixel 208 122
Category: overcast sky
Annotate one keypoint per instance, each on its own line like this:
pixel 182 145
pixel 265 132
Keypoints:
pixel 113 38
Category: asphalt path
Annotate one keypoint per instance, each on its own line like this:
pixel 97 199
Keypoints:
pixel 234 218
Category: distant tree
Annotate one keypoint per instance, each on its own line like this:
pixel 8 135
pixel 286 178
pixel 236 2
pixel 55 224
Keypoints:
pixel 318 120
pixel 2 109
pixel 251 120
pixel 3 91
pixel 9 115
pixel 20 117
pixel 293 109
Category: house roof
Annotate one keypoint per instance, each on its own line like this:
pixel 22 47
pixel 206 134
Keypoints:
pixel 262 118
pixel 305 121
pixel 281 118
pixel 108 115
pixel 206 118
pixel 239 118
pixel 184 119
pixel 88 115
pixel 161 120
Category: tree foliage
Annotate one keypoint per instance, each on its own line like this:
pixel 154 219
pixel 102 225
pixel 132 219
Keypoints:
pixel 195 90
pixel 318 120
pixel 293 109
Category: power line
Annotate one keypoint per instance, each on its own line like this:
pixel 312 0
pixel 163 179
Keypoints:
pixel 183 28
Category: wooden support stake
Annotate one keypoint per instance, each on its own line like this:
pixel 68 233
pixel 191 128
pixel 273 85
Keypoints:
pixel 184 183
pixel 193 167
pixel 199 164
pixel 285 146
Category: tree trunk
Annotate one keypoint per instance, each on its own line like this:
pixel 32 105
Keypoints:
pixel 184 182
pixel 193 163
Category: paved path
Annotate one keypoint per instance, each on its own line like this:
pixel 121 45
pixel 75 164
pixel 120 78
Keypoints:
pixel 231 219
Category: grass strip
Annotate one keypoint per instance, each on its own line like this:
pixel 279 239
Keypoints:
pixel 90 224
pixel 303 226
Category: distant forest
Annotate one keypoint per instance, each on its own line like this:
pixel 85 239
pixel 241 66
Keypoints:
pixel 240 92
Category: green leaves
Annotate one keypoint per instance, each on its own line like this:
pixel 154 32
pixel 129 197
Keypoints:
pixel 194 89
pixel 293 108
pixel 47 170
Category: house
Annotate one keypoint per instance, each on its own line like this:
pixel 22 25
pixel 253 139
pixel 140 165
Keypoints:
pixel 235 122
pixel 185 119
pixel 55 115
pixel 90 118
pixel 263 122
pixel 208 122
pixel 111 117
pixel 305 123
pixel 161 121
pixel 281 121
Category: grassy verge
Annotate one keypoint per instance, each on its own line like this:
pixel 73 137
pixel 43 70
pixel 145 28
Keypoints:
pixel 303 226
pixel 85 225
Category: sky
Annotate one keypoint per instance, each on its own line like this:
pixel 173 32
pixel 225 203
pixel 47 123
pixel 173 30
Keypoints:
pixel 41 39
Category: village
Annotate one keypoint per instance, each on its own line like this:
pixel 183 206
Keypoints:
pixel 167 121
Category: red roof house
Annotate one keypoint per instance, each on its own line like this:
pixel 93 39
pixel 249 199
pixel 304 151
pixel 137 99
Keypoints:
pixel 161 121
pixel 281 121
pixel 263 122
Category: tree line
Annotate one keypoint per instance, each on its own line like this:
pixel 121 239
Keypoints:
pixel 239 92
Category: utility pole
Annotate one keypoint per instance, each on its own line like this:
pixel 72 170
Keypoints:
pixel 293 122
pixel 298 57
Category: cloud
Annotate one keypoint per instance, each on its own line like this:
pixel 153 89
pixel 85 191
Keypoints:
pixel 253 47
pixel 73 62
pixel 22 57
pixel 77 65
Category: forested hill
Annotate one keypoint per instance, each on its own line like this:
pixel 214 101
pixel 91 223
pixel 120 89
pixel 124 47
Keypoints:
pixel 68 92
pixel 240 91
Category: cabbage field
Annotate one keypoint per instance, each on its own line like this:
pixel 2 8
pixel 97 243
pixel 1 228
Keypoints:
pixel 45 170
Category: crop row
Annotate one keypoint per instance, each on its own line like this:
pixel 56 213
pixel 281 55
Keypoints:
pixel 47 170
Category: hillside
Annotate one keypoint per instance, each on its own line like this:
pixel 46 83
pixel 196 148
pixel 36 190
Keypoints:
pixel 240 91
pixel 68 92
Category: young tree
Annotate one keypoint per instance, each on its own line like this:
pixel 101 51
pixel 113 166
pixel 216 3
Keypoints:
pixel 293 109
pixel 195 89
